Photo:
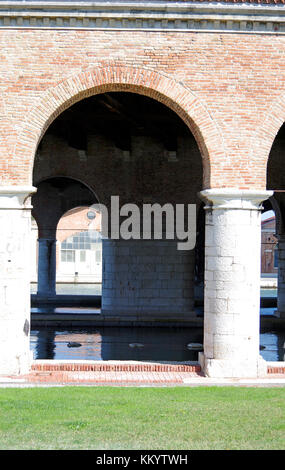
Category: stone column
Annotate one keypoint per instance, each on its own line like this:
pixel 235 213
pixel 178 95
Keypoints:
pixel 46 267
pixel 15 236
pixel 281 277
pixel 232 283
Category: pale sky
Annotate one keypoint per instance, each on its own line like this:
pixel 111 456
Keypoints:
pixel 267 215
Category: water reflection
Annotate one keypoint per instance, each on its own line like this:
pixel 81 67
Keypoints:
pixel 114 343
pixel 273 343
pixel 44 346
pixel 140 344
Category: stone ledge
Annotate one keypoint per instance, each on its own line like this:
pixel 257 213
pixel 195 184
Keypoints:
pixel 16 197
pixel 232 198
pixel 101 321
pixel 150 16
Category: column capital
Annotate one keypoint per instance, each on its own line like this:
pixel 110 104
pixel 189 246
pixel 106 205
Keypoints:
pixel 14 197
pixel 231 198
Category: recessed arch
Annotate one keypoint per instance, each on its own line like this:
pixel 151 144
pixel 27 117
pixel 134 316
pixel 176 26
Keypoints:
pixel 79 249
pixel 71 178
pixel 136 80
pixel 50 195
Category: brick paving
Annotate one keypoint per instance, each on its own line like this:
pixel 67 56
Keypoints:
pixel 119 373
pixel 56 373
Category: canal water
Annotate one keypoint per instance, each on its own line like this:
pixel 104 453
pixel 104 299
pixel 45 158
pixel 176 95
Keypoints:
pixel 138 344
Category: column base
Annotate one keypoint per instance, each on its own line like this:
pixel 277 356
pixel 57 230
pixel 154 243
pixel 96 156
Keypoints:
pixel 15 364
pixel 222 368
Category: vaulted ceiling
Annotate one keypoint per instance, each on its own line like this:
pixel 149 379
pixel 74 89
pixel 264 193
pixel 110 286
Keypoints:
pixel 119 116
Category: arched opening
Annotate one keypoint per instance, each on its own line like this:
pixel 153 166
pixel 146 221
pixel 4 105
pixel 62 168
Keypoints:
pixel 275 238
pixel 125 79
pixel 54 197
pixel 276 182
pixel 269 260
pixel 79 252
pixel 129 146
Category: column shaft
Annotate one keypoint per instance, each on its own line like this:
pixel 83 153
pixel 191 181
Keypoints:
pixel 46 267
pixel 15 236
pixel 232 284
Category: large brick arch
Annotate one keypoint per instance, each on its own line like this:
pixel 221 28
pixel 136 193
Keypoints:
pixel 267 130
pixel 137 80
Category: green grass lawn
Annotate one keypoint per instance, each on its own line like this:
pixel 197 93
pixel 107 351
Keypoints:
pixel 142 418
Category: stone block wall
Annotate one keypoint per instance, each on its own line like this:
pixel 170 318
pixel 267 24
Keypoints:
pixel 147 280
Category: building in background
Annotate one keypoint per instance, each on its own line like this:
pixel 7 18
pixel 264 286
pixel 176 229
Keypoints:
pixel 269 248
pixel 78 249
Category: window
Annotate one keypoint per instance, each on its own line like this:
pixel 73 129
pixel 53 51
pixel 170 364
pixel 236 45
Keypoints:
pixel 67 256
pixel 275 257
pixel 81 241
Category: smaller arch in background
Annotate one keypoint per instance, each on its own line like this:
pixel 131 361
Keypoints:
pixel 57 195
pixel 79 255
pixel 68 177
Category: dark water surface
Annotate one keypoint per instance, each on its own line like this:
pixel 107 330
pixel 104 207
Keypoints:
pixel 143 344
pixel 138 344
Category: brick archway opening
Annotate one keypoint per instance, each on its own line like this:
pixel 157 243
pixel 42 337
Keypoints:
pixel 54 197
pixel 171 93
pixel 134 146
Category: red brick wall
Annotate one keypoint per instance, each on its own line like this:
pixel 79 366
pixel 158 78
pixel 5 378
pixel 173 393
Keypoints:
pixel 229 88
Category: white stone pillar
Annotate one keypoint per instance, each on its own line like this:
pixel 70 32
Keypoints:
pixel 281 277
pixel 232 283
pixel 46 267
pixel 15 236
